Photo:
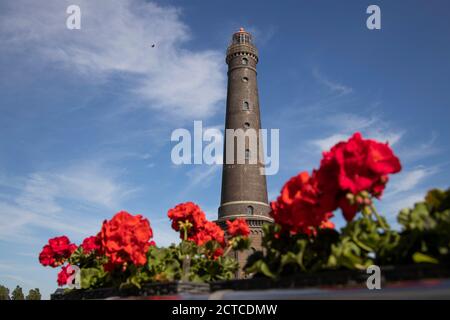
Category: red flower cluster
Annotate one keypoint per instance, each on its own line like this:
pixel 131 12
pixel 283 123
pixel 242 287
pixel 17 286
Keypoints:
pixel 238 227
pixel 64 274
pixel 91 244
pixel 208 232
pixel 355 166
pixel 56 252
pixel 187 212
pixel 358 165
pixel 200 230
pixel 124 239
pixel 299 207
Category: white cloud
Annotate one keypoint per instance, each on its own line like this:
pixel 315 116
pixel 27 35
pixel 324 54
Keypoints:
pixel 202 174
pixel 19 279
pixel 346 124
pixel 391 207
pixel 328 142
pixel 351 121
pixel 405 189
pixel 388 136
pixel 116 36
pixel 261 36
pixel 333 86
pixel 421 149
pixel 163 234
pixel 64 201
pixel 408 180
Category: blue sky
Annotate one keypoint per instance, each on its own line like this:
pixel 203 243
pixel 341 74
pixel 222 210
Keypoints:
pixel 86 115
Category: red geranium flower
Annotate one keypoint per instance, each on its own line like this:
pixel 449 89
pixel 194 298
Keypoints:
pixel 352 167
pixel 57 251
pixel 200 230
pixel 218 253
pixel 64 274
pixel 125 239
pixel 91 244
pixel 47 256
pixel 238 227
pixel 187 212
pixel 298 208
pixel 209 232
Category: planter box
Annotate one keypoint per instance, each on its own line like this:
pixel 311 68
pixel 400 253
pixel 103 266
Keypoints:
pixel 337 278
pixel 148 289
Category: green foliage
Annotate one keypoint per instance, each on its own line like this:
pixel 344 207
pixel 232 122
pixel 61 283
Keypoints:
pixel 93 277
pixel 367 240
pixel 206 270
pixel 34 294
pixel 17 294
pixel 4 293
pixel 364 242
pixel 91 260
pixel 425 236
pixel 165 264
pixel 239 243
pixel 185 261
pixel 289 254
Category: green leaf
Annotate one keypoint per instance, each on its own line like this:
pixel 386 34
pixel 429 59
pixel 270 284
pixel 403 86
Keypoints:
pixel 260 267
pixel 419 257
pixel 91 277
pixel 266 270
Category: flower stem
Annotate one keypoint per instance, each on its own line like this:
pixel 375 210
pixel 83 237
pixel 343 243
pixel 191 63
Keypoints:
pixel 228 249
pixel 380 221
pixel 186 268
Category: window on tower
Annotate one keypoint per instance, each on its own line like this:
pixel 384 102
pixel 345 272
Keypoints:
pixel 244 61
pixel 247 154
pixel 246 125
pixel 244 79
pixel 249 210
pixel 246 106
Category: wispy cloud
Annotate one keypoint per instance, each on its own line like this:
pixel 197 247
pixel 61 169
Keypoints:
pixel 19 279
pixel 391 207
pixel 65 200
pixel 405 189
pixel 409 180
pixel 117 37
pixel 262 36
pixel 333 86
pixel 328 142
pixel 422 149
pixel 345 124
pixel 202 174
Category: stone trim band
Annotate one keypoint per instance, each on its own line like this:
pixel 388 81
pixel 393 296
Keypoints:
pixel 244 202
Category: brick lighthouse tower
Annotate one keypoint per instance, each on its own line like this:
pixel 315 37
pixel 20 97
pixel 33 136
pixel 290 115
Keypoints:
pixel 244 188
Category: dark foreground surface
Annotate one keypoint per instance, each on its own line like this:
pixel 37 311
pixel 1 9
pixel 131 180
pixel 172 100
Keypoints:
pixel 432 289
pixel 400 282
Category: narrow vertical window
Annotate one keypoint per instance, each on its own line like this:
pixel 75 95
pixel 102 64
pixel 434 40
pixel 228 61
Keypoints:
pixel 249 210
pixel 246 106
pixel 244 61
pixel 247 154
pixel 246 125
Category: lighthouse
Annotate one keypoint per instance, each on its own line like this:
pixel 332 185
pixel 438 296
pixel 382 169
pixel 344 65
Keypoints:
pixel 244 187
